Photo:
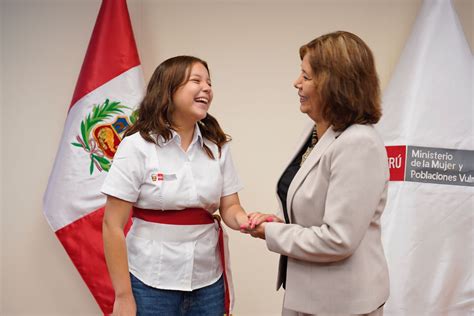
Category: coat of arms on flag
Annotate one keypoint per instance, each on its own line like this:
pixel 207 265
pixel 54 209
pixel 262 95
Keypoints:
pixel 100 136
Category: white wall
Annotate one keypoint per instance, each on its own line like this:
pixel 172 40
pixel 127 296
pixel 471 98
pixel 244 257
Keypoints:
pixel 252 50
pixel 1 160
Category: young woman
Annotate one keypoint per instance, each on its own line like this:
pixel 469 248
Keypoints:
pixel 174 170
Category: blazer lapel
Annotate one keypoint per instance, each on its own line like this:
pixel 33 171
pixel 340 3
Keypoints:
pixel 328 137
pixel 304 137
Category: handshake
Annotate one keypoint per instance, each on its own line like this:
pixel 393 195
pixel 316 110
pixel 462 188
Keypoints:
pixel 254 224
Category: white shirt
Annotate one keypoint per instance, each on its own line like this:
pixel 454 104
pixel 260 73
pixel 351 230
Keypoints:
pixel 164 177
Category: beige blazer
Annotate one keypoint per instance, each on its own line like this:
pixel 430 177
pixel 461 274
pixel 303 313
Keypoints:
pixel 336 263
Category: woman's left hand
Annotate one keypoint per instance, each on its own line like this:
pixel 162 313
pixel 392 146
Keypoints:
pixel 258 231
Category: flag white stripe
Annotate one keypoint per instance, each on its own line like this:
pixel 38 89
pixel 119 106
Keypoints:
pixel 72 191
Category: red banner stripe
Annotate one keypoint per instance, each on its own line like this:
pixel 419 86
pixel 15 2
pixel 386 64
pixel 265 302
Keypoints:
pixel 83 242
pixel 111 51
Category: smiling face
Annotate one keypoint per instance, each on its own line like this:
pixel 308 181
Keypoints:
pixel 193 98
pixel 307 91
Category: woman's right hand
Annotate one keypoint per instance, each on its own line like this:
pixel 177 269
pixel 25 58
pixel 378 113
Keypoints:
pixel 256 218
pixel 125 305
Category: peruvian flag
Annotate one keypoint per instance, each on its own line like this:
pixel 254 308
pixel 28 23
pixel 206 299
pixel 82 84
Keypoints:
pixel 109 87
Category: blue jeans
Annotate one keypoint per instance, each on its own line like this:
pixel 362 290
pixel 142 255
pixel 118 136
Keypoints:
pixel 206 301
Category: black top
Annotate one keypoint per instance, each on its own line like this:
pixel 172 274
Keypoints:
pixel 282 191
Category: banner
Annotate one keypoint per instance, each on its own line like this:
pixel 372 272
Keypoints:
pixel 109 87
pixel 427 125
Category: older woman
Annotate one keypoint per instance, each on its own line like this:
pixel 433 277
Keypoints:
pixel 334 190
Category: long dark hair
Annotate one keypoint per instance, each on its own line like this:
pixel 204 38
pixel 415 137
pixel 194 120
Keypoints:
pixel 155 112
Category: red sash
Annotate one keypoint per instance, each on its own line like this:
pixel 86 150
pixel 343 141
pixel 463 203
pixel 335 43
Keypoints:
pixel 189 216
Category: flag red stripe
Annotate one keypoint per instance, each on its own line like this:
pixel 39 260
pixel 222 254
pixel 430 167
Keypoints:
pixel 112 49
pixel 82 240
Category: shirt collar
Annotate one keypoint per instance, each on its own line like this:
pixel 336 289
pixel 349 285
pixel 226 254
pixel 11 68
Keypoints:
pixel 197 136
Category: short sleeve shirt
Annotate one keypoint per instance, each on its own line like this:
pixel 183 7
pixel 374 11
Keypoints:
pixel 164 177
